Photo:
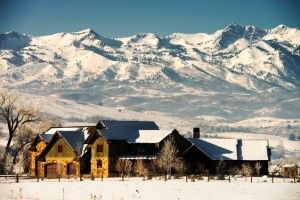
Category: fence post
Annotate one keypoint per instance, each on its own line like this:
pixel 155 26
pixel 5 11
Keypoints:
pixel 38 178
pixel 251 178
pixel 229 178
pixel 80 177
pixel 17 178
pixel 208 176
pixel 272 177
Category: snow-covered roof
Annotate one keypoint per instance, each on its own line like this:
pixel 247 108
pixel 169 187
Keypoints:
pixel 126 130
pixel 75 136
pixel 151 136
pixel 50 132
pixel 217 149
pixel 232 149
pixel 254 149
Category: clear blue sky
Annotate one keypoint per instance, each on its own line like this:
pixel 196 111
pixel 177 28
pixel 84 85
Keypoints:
pixel 115 18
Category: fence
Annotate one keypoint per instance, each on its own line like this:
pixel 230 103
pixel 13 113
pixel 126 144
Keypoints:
pixel 191 178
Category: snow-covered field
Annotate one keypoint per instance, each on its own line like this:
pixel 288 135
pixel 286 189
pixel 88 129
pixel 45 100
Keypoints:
pixel 135 188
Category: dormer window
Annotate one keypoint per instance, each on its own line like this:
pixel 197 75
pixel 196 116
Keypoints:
pixel 99 148
pixel 60 148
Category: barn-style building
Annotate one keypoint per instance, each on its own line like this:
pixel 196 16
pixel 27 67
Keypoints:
pixel 80 150
pixel 206 153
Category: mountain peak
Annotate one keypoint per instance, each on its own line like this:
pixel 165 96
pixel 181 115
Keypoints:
pixel 234 26
pixel 13 40
pixel 281 26
pixel 87 31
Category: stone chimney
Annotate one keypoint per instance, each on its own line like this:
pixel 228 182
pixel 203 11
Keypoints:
pixel 196 132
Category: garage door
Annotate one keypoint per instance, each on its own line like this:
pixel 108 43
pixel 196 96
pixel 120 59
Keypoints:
pixel 51 171
pixel 71 169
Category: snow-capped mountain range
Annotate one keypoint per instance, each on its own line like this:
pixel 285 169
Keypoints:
pixel 236 73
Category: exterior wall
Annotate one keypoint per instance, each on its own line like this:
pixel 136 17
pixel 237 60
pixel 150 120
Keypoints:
pixel 62 159
pixel 39 148
pixel 103 156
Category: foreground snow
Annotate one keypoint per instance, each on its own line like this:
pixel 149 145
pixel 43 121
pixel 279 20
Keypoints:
pixel 134 188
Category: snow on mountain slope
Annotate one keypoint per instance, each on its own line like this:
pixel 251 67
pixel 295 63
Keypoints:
pixel 236 73
pixel 285 34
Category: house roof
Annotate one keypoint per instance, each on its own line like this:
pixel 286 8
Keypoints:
pixel 254 149
pixel 74 138
pixel 217 149
pixel 150 136
pixel 125 130
pixel 50 132
pixel 232 149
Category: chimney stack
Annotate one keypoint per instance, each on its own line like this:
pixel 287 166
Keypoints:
pixel 196 132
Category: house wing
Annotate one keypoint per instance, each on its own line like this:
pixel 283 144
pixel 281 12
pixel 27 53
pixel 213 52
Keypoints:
pixel 51 150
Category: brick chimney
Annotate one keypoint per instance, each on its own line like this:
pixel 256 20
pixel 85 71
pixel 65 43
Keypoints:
pixel 196 132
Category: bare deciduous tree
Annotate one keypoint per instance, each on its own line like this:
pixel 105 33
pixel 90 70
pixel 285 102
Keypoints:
pixel 120 167
pixel 140 169
pixel 234 171
pixel 128 166
pixel 167 157
pixel 257 168
pixel 123 166
pixel 15 115
pixel 247 170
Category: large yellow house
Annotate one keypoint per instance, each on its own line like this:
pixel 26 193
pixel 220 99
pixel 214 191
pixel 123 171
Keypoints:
pixel 69 151
pixel 93 150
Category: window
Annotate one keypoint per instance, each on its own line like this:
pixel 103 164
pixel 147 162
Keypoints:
pixel 99 163
pixel 99 148
pixel 60 148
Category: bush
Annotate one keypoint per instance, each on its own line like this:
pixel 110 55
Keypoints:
pixel 247 170
pixel 234 171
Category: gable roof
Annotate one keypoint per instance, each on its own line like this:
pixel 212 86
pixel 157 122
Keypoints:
pixel 232 149
pixel 125 130
pixel 56 136
pixel 217 149
pixel 74 138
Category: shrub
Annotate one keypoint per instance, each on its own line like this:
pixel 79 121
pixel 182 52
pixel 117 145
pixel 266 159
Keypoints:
pixel 247 170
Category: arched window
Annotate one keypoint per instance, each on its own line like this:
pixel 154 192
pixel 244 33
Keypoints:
pixel 99 163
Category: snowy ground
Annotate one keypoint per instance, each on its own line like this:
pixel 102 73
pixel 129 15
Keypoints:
pixel 135 188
